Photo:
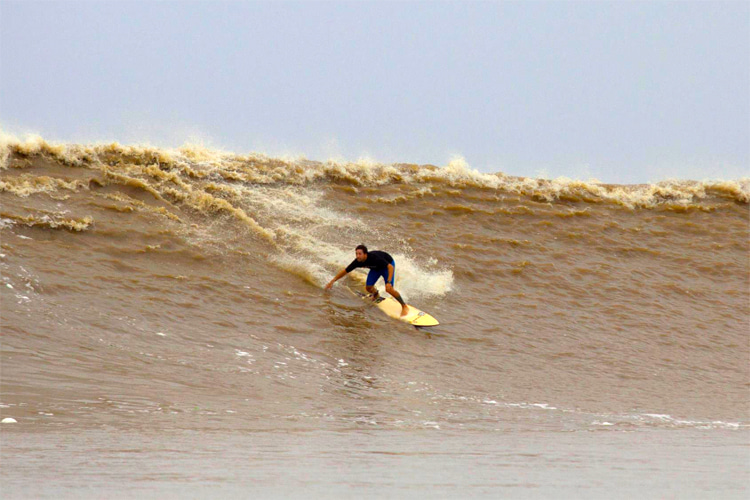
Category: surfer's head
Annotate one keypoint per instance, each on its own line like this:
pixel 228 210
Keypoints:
pixel 361 252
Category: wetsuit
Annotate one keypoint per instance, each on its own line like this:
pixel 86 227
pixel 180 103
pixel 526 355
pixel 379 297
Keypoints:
pixel 377 262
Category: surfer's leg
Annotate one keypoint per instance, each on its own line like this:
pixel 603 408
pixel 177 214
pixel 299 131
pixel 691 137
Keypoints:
pixel 389 288
pixel 372 277
pixel 404 308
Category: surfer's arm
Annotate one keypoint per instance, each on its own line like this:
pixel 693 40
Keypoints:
pixel 340 275
pixel 390 273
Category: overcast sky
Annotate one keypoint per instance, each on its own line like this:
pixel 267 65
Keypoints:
pixel 620 91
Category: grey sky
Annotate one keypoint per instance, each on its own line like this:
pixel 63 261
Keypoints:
pixel 624 92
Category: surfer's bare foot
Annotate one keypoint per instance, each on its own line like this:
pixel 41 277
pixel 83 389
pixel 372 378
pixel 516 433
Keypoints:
pixel 404 310
pixel 374 296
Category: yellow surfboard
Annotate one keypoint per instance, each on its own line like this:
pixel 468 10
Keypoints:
pixel 392 308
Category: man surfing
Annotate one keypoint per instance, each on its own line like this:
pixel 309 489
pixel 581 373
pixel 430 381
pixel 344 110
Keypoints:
pixel 380 264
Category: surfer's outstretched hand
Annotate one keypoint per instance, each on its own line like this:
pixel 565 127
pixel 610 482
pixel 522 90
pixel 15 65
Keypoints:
pixel 329 285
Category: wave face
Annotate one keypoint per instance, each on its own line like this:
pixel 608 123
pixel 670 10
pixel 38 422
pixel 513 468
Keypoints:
pixel 187 286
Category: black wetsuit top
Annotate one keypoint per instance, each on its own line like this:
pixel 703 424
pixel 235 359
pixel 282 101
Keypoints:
pixel 375 260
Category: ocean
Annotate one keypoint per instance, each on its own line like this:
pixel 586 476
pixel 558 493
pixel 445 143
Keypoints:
pixel 166 332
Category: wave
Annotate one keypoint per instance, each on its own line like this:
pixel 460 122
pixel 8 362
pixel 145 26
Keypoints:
pixel 621 307
pixel 199 163
pixel 52 221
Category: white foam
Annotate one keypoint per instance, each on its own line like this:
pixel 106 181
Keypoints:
pixel 544 406
pixel 9 420
pixel 702 424
pixel 658 416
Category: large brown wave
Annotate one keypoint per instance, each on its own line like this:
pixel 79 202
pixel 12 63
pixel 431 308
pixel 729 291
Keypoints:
pixel 169 275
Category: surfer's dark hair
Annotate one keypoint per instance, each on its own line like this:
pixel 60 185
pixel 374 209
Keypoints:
pixel 361 247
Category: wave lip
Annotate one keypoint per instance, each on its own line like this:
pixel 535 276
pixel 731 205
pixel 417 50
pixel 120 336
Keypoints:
pixel 191 161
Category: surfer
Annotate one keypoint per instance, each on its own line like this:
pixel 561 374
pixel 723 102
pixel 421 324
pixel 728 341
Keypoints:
pixel 380 264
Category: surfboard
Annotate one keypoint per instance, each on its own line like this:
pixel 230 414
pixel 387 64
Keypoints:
pixel 392 308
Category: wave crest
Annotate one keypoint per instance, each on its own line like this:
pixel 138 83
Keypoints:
pixel 199 163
